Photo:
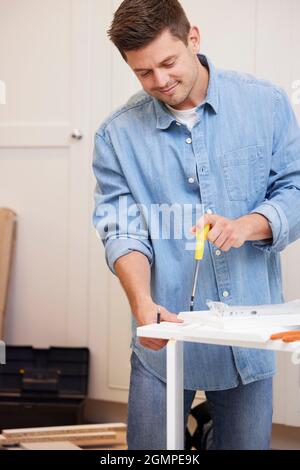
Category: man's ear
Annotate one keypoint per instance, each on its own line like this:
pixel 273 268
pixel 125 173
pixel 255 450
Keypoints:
pixel 194 39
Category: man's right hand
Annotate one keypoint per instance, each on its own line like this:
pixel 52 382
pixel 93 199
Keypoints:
pixel 147 315
pixel 134 273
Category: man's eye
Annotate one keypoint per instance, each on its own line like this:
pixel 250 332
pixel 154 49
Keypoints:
pixel 170 65
pixel 145 74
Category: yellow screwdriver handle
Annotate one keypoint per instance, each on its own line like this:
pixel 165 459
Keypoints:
pixel 201 236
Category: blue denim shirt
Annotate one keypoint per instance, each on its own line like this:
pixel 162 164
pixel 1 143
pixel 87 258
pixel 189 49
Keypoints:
pixel 242 156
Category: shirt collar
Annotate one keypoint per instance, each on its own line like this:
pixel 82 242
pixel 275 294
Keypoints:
pixel 164 118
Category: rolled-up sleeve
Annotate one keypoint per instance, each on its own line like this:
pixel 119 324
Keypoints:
pixel 118 221
pixel 282 204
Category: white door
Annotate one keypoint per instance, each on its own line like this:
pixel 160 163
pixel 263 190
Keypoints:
pixel 44 61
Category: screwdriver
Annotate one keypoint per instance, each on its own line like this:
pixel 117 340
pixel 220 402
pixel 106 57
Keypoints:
pixel 201 237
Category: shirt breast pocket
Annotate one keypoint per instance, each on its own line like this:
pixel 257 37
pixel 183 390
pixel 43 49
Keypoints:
pixel 244 173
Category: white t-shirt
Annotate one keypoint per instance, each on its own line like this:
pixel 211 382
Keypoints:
pixel 189 117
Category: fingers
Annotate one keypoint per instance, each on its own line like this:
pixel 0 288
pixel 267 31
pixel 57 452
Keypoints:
pixel 153 344
pixel 224 233
pixel 221 232
pixel 165 315
pixel 227 245
pixel 170 317
pixel 206 219
pixel 214 233
pixel 157 344
pixel 217 237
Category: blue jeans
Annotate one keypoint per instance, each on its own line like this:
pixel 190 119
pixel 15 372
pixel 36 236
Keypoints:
pixel 242 417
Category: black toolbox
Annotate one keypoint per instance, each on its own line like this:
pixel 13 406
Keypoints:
pixel 43 387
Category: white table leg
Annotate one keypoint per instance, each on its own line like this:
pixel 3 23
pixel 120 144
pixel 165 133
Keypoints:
pixel 175 391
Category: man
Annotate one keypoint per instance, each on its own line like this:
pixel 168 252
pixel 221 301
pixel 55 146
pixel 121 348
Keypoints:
pixel 196 135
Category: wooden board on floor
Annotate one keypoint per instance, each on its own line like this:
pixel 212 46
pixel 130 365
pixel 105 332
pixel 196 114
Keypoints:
pixel 49 445
pixel 108 436
pixel 118 444
pixel 97 438
pixel 76 429
pixel 121 443
pixel 7 238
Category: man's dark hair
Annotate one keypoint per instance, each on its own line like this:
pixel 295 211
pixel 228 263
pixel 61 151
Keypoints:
pixel 137 23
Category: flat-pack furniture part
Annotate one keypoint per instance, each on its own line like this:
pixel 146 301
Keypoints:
pixel 177 333
pixel 107 435
pixel 7 239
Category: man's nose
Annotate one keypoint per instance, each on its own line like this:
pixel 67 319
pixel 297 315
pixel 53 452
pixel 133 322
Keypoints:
pixel 161 79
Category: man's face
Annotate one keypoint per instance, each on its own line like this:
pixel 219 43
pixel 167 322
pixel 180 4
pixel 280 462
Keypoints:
pixel 167 69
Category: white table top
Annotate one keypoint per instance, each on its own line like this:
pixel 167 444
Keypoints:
pixel 194 332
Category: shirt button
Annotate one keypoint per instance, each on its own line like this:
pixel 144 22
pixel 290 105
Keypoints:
pixel 225 294
pixel 189 140
pixel 191 180
pixel 209 211
pixel 218 252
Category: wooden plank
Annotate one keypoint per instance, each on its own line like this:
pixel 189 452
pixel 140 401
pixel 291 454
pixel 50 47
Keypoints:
pixel 7 238
pixel 76 429
pixel 2 440
pixel 119 444
pixel 86 438
pixel 49 445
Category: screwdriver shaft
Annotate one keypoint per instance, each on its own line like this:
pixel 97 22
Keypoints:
pixel 194 286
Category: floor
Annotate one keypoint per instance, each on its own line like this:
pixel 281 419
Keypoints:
pixel 285 437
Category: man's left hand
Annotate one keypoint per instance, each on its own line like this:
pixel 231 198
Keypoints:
pixel 227 233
